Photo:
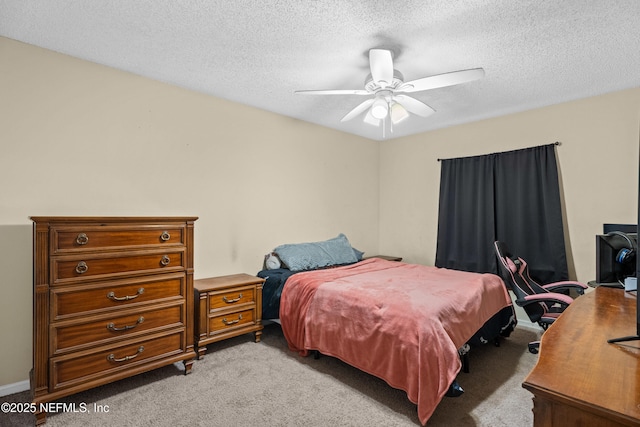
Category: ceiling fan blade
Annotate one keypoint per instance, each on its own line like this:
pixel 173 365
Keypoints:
pixel 442 80
pixel 333 92
pixel 359 109
pixel 381 65
pixel 414 106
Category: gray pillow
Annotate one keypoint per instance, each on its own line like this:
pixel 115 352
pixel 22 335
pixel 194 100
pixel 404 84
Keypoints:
pixel 310 256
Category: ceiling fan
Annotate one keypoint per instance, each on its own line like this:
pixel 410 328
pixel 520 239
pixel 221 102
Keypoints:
pixel 388 89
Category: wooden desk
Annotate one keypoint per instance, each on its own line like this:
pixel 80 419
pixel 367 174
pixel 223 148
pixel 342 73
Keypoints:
pixel 580 379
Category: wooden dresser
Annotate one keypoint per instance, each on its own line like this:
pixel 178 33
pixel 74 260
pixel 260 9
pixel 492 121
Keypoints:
pixel 113 297
pixel 227 306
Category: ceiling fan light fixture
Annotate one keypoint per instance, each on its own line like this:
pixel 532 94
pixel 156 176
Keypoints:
pixel 398 113
pixel 369 119
pixel 379 108
pixel 388 102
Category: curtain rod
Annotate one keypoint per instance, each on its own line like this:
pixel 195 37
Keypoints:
pixel 555 143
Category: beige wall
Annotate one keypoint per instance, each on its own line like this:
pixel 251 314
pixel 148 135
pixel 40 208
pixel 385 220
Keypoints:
pixel 598 166
pixel 82 139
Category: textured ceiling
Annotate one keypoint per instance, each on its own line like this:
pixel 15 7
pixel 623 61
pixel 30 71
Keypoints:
pixel 258 52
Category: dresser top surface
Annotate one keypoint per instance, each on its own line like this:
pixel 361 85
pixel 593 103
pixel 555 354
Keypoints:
pixel 110 219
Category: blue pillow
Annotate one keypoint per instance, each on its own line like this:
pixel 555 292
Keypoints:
pixel 310 256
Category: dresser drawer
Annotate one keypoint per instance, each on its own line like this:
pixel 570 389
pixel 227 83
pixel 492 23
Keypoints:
pixel 230 321
pixel 67 269
pixel 230 298
pixel 72 336
pixel 112 237
pixel 80 367
pixel 83 300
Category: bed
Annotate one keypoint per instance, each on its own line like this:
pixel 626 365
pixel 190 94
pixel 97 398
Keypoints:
pixel 404 323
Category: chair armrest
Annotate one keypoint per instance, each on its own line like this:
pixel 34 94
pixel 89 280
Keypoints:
pixel 565 285
pixel 551 298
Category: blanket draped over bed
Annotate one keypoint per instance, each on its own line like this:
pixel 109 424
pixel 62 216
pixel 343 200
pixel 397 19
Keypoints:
pixel 400 322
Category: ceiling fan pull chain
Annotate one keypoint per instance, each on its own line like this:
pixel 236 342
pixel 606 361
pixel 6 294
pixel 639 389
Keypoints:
pixel 384 127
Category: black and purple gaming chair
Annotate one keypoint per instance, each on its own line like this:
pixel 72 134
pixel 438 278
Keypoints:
pixel 542 303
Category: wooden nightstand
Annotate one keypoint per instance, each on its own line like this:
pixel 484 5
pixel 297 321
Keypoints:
pixel 225 307
pixel 387 257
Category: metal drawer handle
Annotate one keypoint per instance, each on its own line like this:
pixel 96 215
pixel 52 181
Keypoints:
pixel 231 301
pixel 165 260
pixel 112 357
pixel 165 236
pixel 112 296
pixel 82 267
pixel 82 239
pixel 232 322
pixel 112 327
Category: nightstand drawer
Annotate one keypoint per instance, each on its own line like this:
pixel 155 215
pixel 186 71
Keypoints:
pixel 83 300
pixel 229 321
pixel 72 336
pixel 80 367
pixel 110 237
pixel 232 297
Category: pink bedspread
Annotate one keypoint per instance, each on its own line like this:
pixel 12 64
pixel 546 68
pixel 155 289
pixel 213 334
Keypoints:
pixel 400 322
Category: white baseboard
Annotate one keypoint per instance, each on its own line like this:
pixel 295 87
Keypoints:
pixel 18 387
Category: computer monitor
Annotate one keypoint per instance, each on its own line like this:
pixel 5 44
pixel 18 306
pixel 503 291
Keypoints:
pixel 635 337
pixel 615 256
pixel 625 228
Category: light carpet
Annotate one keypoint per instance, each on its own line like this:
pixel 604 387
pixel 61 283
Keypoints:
pixel 242 383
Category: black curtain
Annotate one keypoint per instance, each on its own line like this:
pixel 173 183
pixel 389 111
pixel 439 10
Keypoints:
pixel 513 197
